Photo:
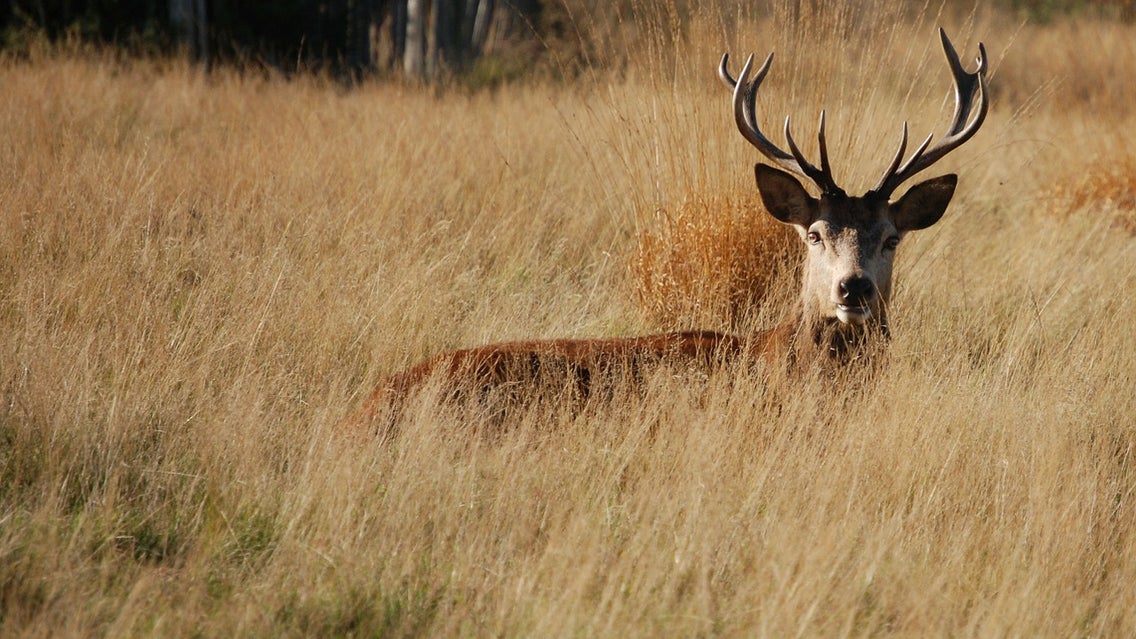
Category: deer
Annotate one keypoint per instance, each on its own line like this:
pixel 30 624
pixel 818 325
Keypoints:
pixel 850 247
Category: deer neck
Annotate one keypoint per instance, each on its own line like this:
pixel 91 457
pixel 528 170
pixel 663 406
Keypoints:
pixel 821 337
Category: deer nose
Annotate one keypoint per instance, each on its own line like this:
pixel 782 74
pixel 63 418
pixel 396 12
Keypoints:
pixel 856 291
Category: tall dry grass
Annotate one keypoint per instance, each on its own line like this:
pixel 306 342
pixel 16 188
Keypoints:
pixel 200 276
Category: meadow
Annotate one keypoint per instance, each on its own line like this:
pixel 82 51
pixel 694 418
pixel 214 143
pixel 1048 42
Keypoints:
pixel 203 275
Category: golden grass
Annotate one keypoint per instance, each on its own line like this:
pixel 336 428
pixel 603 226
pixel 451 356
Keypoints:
pixel 1106 187
pixel 711 262
pixel 201 276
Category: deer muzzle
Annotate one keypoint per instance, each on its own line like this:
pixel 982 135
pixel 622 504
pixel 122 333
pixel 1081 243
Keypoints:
pixel 856 297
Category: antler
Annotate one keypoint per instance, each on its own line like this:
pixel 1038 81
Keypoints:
pixel 966 84
pixel 745 100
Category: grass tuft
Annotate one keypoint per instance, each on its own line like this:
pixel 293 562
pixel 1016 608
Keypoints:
pixel 710 261
pixel 202 276
pixel 1104 187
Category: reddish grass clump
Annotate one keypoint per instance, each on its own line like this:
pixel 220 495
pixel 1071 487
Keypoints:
pixel 1108 186
pixel 709 261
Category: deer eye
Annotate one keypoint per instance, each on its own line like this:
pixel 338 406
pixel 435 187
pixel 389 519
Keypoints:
pixel 891 243
pixel 813 237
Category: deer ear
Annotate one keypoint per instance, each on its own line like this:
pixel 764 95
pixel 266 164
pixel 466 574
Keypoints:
pixel 784 197
pixel 923 204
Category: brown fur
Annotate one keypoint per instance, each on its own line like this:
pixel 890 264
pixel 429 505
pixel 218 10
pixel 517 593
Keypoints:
pixel 589 366
pixel 845 288
pixel 585 365
pixel 848 242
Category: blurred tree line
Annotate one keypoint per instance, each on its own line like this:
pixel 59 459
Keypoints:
pixel 488 40
pixel 419 38
pixel 1048 10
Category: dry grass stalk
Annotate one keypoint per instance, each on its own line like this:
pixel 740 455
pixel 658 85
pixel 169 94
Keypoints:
pixel 1105 186
pixel 710 261
pixel 198 276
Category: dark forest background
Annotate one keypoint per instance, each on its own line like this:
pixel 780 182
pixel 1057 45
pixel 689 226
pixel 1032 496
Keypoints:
pixel 418 39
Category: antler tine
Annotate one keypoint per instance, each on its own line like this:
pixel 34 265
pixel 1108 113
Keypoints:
pixel 966 87
pixel 745 100
pixel 964 82
pixel 898 157
pixel 824 164
pixel 724 72
pixel 749 88
pixel 893 168
pixel 745 104
pixel 823 176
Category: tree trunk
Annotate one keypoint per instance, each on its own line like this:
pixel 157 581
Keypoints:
pixel 441 51
pixel 363 13
pixel 188 19
pixel 414 54
pixel 397 17
pixel 481 21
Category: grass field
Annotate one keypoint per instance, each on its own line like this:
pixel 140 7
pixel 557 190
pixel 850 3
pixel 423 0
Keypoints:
pixel 201 276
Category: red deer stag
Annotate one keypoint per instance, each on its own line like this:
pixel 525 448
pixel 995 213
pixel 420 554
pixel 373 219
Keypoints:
pixel 851 244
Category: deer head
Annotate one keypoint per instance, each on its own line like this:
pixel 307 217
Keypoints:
pixel 851 240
